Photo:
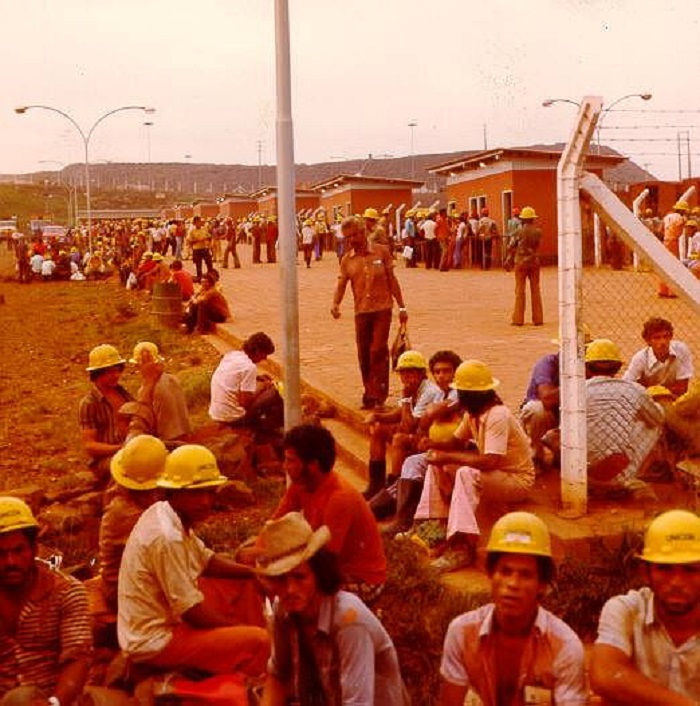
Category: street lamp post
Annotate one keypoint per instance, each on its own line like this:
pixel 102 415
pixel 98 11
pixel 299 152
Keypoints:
pixel 551 101
pixel 413 124
pixel 85 136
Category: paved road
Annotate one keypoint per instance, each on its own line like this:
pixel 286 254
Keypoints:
pixel 465 310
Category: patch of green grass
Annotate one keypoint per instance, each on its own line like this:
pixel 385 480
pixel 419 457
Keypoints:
pixel 196 384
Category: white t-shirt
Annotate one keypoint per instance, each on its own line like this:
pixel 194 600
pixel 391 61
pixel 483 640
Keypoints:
pixel 307 235
pixel 429 227
pixel 47 268
pixel 647 370
pixel 235 373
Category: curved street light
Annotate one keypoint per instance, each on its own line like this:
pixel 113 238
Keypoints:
pixel 551 101
pixel 85 136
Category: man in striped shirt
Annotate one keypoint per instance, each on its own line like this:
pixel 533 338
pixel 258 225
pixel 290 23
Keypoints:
pixel 45 635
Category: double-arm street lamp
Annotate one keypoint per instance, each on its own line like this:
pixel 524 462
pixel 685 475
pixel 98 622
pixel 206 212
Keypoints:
pixel 551 101
pixel 85 136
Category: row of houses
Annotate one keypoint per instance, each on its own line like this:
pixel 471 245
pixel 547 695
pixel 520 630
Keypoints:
pixel 498 179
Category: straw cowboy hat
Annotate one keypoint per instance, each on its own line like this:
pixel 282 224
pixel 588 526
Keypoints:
pixel 286 543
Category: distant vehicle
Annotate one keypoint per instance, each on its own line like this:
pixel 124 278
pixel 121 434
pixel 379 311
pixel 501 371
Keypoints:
pixel 51 231
pixel 7 228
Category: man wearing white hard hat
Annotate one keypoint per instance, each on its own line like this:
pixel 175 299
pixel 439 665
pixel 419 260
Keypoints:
pixel 648 646
pixel 328 647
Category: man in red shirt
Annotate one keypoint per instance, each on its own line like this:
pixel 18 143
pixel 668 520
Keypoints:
pixel 183 279
pixel 325 498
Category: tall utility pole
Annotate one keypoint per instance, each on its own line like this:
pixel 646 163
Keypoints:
pixel 260 147
pixel 413 125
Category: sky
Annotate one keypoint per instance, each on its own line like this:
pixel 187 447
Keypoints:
pixel 361 72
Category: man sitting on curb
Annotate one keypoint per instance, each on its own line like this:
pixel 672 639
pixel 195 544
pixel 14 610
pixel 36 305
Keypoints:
pixel 488 459
pixel 513 651
pixel 45 638
pixel 239 396
pixel 325 498
pixel 397 427
pixel 135 469
pixel 169 618
pixel 648 646
pixel 328 647
pixel 160 394
pixel 101 430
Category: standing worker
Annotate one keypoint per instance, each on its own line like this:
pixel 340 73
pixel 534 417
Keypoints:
pixel 199 240
pixel 673 225
pixel 525 244
pixel 369 268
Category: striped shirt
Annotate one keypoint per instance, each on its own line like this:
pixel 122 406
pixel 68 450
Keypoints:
pixel 53 629
pixel 97 413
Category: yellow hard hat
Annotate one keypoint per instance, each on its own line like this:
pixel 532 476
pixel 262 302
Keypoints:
pixel 104 356
pixel 692 223
pixel 681 206
pixel 603 350
pixel 411 360
pixel 441 431
pixel 308 222
pixel 141 349
pixel 659 391
pixel 474 376
pixel 148 254
pixel 15 515
pixel 527 213
pixel 139 463
pixel 371 213
pixel 191 466
pixel 520 533
pixel 695 210
pixel 157 257
pixel 410 213
pixel 673 538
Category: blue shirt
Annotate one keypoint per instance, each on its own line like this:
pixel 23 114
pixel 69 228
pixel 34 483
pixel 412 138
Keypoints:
pixel 545 372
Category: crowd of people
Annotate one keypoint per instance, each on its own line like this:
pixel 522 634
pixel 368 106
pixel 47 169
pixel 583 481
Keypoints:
pixel 291 613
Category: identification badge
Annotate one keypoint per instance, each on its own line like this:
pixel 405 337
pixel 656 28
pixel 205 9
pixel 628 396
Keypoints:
pixel 538 696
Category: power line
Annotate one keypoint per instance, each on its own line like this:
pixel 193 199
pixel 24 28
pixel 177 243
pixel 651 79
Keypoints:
pixel 646 127
pixel 649 139
pixel 659 110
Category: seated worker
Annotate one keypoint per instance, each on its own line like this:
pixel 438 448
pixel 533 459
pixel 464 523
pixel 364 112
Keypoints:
pixel 239 396
pixel 207 307
pixel 45 637
pixel 497 468
pixel 325 498
pixel 397 427
pixel 170 618
pixel 512 650
pixel 183 279
pixel 664 361
pixel 648 646
pixel 437 424
pixel 135 469
pixel 145 268
pixel 101 430
pixel 623 423
pixel 161 393
pixel 315 623
pixel 159 273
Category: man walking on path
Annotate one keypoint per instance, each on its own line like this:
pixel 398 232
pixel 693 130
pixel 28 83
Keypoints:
pixel 648 646
pixel 369 268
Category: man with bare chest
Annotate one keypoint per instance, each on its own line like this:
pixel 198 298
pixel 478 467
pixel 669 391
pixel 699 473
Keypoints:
pixel 102 431
pixel 513 652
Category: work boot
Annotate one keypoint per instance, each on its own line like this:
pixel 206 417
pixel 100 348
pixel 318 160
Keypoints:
pixel 407 499
pixel 383 504
pixel 377 478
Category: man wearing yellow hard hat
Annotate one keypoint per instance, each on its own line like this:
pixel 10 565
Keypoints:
pixel 623 423
pixel 45 635
pixel 512 650
pixel 524 246
pixel 648 646
pixel 101 431
pixel 169 618
pixel 673 225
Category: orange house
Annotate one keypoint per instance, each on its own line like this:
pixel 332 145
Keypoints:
pixel 346 194
pixel 505 178
pixel 266 199
pixel 662 194
pixel 237 206
pixel 206 210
